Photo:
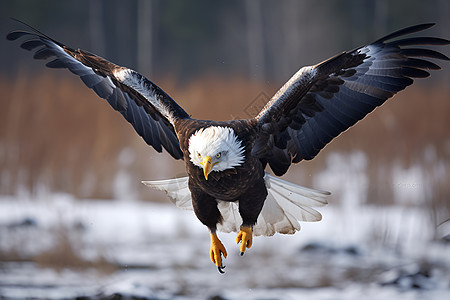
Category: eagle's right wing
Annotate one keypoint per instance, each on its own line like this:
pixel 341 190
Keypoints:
pixel 319 102
pixel 148 108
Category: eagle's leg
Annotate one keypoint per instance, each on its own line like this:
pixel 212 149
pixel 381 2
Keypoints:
pixel 245 237
pixel 206 210
pixel 249 209
pixel 217 249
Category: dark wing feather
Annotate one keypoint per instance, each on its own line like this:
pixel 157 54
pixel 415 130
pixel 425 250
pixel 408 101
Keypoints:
pixel 321 101
pixel 149 109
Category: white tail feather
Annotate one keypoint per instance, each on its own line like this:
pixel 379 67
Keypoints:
pixel 286 204
pixel 176 189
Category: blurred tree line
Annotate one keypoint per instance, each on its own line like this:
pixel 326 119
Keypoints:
pixel 260 39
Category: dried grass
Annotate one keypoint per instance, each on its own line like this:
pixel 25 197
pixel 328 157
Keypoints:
pixel 56 132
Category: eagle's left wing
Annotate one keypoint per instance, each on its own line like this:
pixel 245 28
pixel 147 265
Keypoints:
pixel 319 102
pixel 142 103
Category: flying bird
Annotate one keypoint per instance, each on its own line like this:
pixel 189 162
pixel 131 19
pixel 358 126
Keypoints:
pixel 227 186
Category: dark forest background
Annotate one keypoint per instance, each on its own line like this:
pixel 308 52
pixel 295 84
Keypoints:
pixel 261 39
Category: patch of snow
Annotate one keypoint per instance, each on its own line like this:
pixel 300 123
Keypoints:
pixel 409 185
pixel 158 251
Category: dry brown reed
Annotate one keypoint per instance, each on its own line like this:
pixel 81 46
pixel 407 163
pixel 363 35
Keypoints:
pixel 57 133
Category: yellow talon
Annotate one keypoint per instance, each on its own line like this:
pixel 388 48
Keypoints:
pixel 245 236
pixel 217 249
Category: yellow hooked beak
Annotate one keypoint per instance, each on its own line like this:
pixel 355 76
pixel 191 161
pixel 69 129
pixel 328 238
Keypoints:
pixel 207 166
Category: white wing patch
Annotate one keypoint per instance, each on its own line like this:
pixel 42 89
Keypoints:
pixel 286 204
pixel 135 81
pixel 302 76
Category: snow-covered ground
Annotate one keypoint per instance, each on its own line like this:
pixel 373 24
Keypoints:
pixel 58 247
pixel 157 251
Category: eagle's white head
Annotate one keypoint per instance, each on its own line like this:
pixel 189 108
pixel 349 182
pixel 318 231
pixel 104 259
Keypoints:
pixel 215 148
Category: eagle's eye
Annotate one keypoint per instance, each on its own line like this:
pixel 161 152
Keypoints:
pixel 218 155
pixel 199 155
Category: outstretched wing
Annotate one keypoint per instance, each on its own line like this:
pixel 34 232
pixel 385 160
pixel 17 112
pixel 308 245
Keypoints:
pixel 148 108
pixel 319 102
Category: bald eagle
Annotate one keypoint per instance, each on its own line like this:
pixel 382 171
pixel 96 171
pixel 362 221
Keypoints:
pixel 227 186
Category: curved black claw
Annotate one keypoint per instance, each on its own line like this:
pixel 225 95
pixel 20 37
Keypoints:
pixel 220 268
pixel 242 253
